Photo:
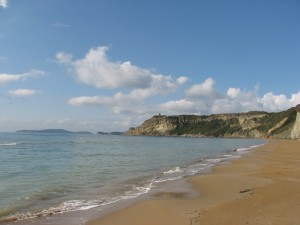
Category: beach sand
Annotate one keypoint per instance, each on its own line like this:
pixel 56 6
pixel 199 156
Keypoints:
pixel 260 189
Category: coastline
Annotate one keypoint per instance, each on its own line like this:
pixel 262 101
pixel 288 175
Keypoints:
pixel 155 175
pixel 259 188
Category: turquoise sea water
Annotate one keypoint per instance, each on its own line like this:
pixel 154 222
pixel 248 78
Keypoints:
pixel 47 174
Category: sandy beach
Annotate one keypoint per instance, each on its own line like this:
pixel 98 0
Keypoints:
pixel 261 188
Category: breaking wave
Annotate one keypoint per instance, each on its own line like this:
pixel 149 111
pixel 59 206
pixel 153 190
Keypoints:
pixel 9 144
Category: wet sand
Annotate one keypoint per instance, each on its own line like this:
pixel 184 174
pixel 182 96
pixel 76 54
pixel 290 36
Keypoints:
pixel 260 189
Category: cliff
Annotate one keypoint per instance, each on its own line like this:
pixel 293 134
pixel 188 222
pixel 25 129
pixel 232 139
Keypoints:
pixel 285 124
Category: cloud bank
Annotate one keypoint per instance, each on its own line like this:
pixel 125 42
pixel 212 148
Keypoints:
pixel 205 99
pixel 199 99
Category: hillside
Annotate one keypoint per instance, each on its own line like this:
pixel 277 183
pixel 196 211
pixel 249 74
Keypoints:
pixel 285 124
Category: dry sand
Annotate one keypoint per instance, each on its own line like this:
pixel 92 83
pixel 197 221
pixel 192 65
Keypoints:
pixel 260 189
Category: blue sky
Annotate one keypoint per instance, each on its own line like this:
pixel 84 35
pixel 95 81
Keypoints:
pixel 107 65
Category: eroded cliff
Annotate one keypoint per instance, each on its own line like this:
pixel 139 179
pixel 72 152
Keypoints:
pixel 285 124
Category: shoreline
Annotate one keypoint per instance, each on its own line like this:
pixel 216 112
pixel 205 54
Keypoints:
pixel 162 185
pixel 259 188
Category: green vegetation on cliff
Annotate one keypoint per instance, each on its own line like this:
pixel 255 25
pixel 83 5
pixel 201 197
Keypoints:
pixel 215 128
pixel 251 124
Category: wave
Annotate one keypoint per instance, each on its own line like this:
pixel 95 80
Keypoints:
pixel 9 144
pixel 247 148
pixel 68 206
pixel 81 205
pixel 202 166
pixel 174 170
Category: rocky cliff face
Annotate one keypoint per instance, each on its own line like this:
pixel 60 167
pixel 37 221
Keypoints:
pixel 284 124
pixel 156 126
pixel 295 132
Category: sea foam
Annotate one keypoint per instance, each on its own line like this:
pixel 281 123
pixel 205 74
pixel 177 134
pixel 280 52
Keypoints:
pixel 9 144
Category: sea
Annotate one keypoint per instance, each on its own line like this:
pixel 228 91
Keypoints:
pixel 45 178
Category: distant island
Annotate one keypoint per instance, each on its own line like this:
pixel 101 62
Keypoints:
pixel 54 131
pixel 282 125
pixel 110 133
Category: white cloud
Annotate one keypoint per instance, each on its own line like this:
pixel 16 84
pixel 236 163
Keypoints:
pixel 63 58
pixel 233 92
pixel 237 100
pixel 90 100
pixel 8 78
pixel 295 98
pixel 161 85
pixel 205 99
pixel 33 73
pixel 206 89
pixel 3 3
pixel 23 92
pixel 97 70
pixel 182 80
pixel 273 102
pixel 182 106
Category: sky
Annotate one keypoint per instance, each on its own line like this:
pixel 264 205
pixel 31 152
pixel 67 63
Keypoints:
pixel 107 65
